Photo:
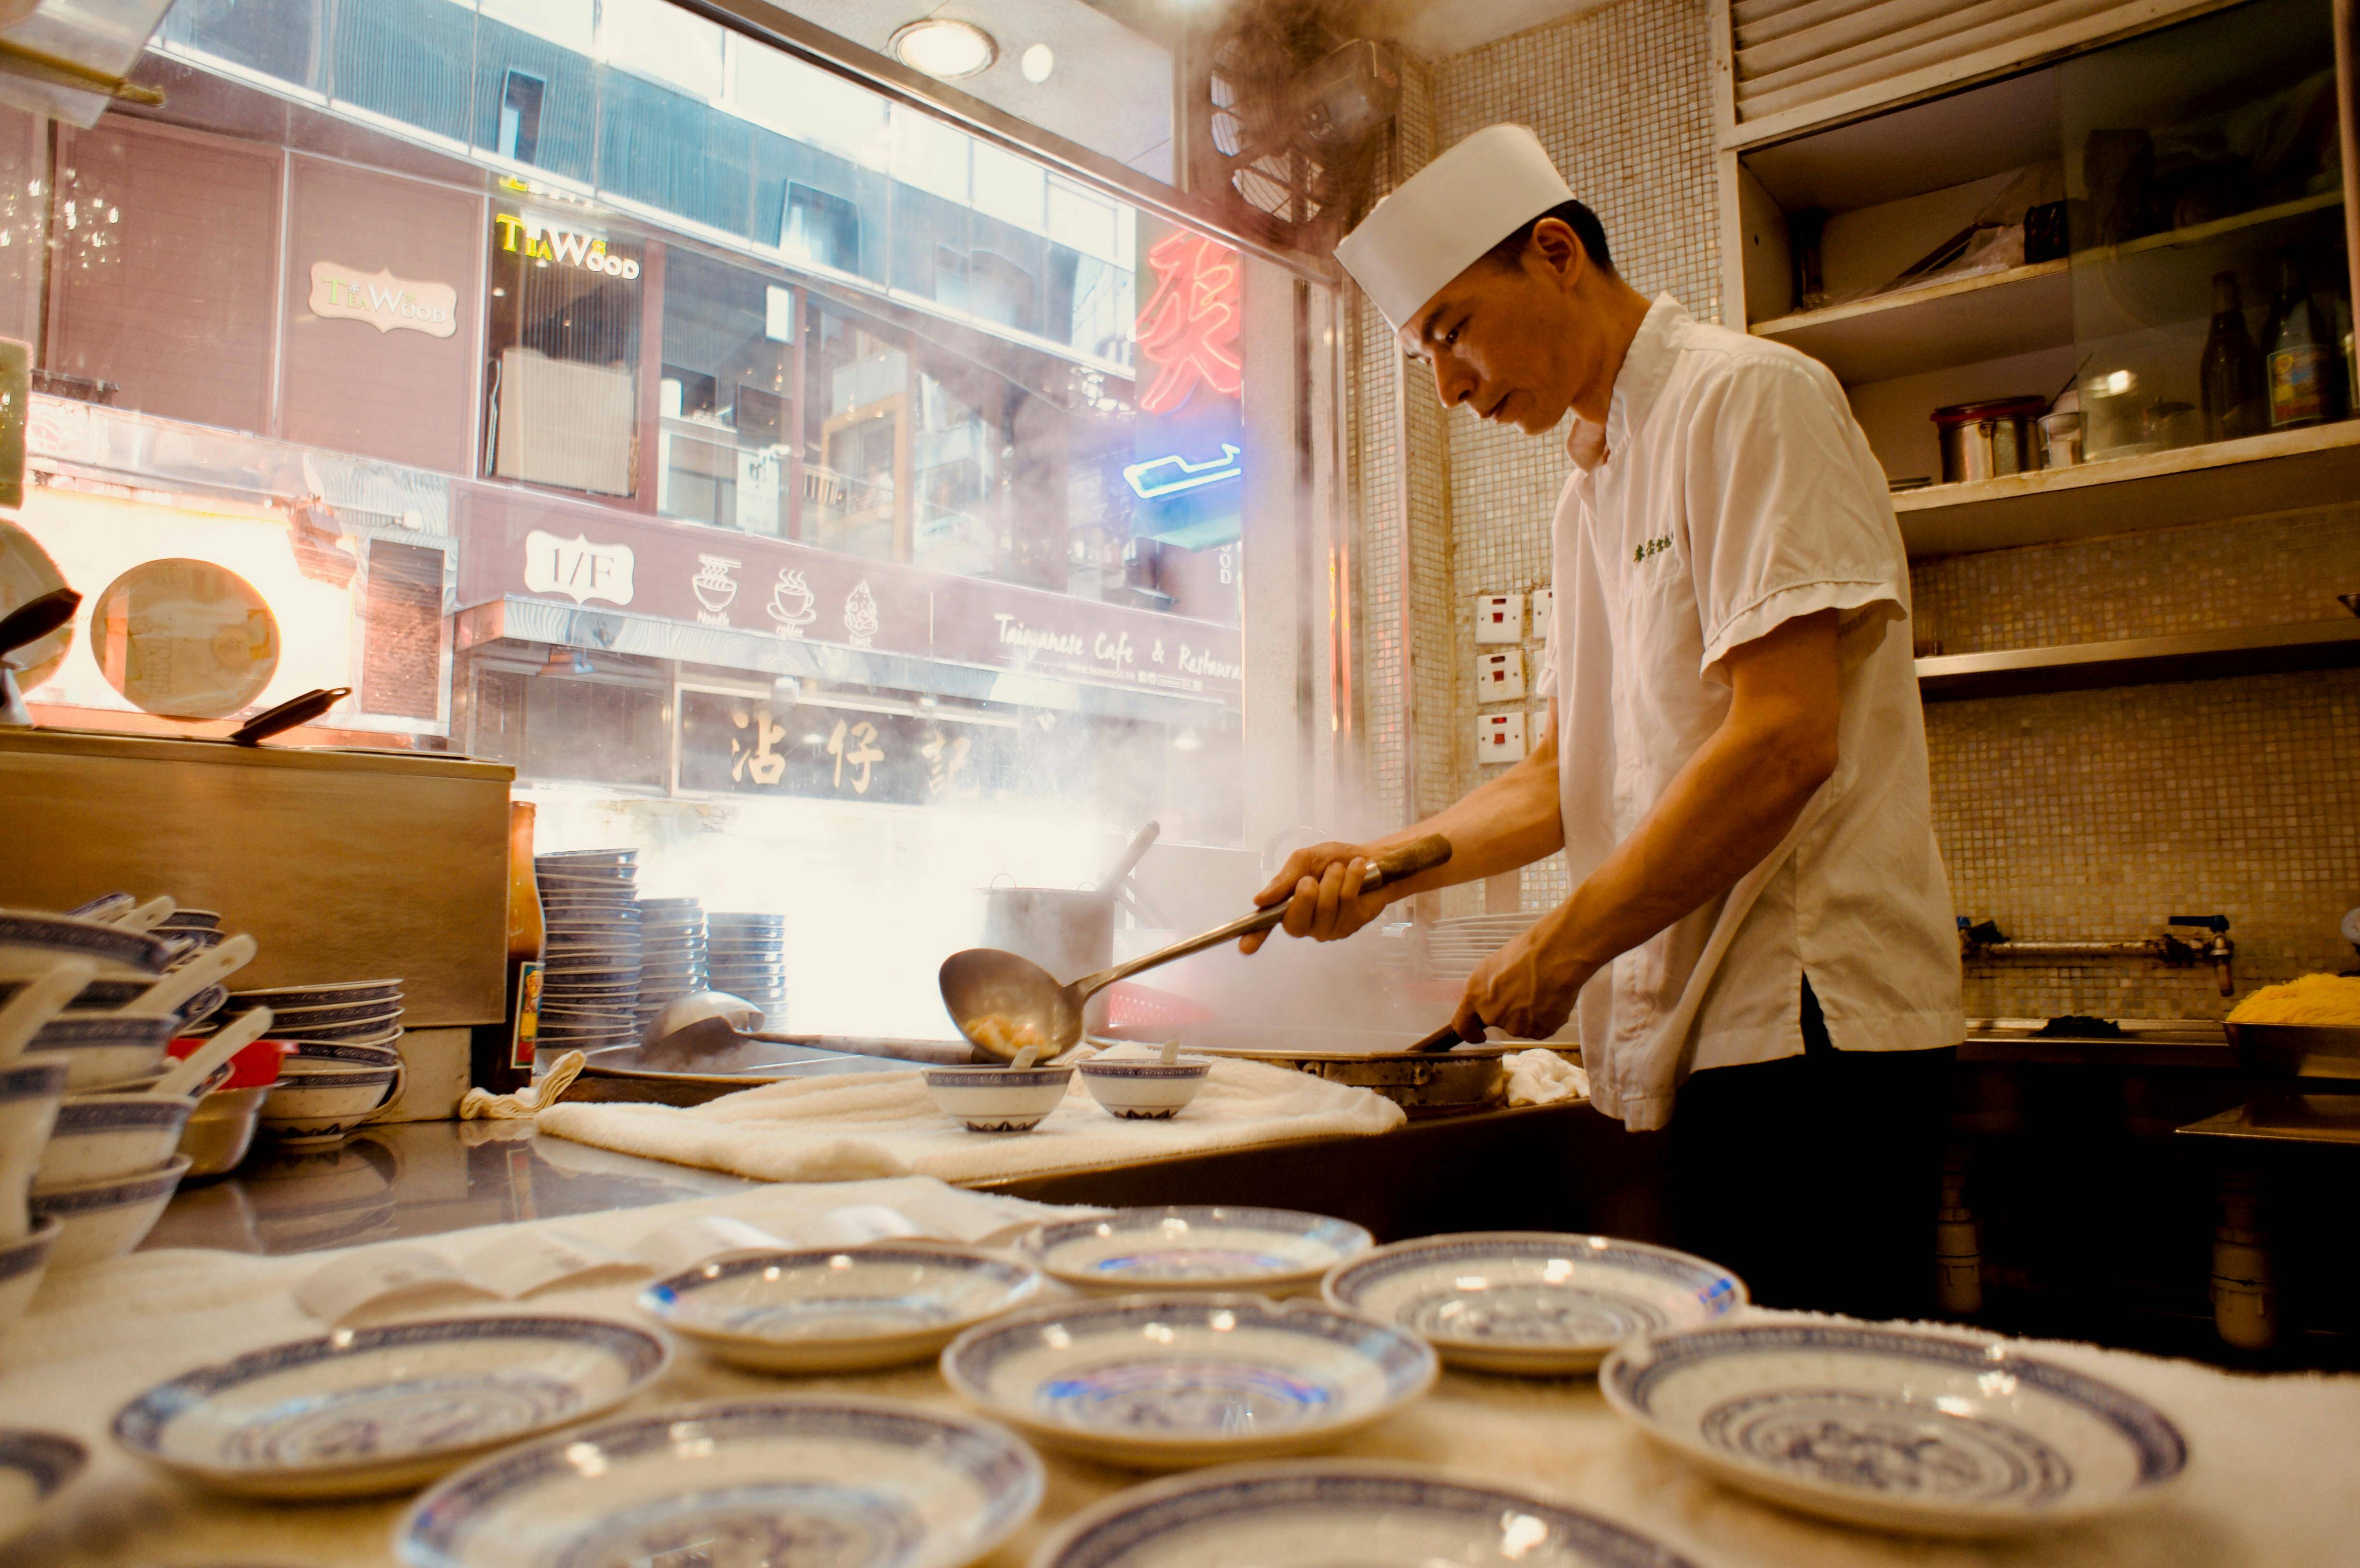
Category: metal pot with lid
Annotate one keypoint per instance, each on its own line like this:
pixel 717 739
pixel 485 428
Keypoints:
pixel 1984 440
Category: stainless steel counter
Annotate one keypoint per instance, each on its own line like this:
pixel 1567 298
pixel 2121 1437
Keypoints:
pixel 418 1178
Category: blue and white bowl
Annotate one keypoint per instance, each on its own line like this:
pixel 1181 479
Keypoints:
pixel 1533 1301
pixel 377 1410
pixel 33 1466
pixel 1311 1513
pixel 826 1310
pixel 319 1106
pixel 1159 1382
pixel 107 1217
pixel 23 1266
pixel 1144 1089
pixel 101 1048
pixel 782 1481
pixel 30 941
pixel 29 1093
pixel 102 1136
pixel 1893 1428
pixel 323 994
pixel 330 1055
pixel 995 1099
pixel 1205 1247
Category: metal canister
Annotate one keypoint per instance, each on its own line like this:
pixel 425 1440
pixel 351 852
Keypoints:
pixel 1067 932
pixel 1984 440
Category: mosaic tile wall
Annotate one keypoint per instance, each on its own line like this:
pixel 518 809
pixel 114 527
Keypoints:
pixel 2210 577
pixel 2098 815
pixel 1633 138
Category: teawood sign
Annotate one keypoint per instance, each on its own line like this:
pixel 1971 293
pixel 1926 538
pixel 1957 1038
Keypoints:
pixel 679 572
pixel 386 302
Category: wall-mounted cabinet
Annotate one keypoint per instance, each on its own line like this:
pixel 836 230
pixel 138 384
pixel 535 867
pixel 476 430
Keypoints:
pixel 2140 230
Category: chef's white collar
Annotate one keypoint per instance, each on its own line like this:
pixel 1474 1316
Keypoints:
pixel 1646 365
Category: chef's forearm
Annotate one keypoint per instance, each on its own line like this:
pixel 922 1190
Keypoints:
pixel 1727 810
pixel 1508 821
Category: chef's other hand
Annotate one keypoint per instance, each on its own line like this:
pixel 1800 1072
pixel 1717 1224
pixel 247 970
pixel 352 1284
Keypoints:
pixel 1321 888
pixel 1525 988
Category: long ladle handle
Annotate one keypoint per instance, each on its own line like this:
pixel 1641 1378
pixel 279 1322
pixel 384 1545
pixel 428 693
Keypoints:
pixel 1419 854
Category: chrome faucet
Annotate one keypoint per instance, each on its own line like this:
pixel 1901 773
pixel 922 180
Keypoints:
pixel 1985 939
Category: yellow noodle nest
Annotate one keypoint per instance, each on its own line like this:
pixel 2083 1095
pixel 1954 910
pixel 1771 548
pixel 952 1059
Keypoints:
pixel 2332 1000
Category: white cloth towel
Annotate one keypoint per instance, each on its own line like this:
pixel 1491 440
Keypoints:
pixel 886 1124
pixel 1538 1077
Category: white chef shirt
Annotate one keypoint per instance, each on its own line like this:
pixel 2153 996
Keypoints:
pixel 1736 492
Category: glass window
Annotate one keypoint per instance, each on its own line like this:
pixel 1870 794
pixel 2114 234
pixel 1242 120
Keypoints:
pixel 591 388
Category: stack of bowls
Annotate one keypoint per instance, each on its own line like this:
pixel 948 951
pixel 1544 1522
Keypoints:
pixel 30 1088
pixel 199 929
pixel 671 954
pixel 590 968
pixel 746 955
pixel 110 1165
pixel 343 1056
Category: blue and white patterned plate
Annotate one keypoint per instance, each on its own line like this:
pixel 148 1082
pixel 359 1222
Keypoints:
pixel 1941 1433
pixel 1318 1515
pixel 782 1481
pixel 32 1465
pixel 1532 1302
pixel 1276 1252
pixel 834 1310
pixel 376 1410
pixel 1161 1381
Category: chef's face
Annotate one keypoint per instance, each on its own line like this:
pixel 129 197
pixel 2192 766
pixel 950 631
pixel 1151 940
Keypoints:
pixel 1515 344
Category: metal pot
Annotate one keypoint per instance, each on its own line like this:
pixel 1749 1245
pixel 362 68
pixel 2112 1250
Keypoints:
pixel 1068 932
pixel 1984 441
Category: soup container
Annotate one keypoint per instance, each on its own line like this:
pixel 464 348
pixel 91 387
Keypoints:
pixel 321 1105
pixel 98 1136
pixel 29 1093
pixel 998 1099
pixel 23 1266
pixel 107 1218
pixel 31 940
pixel 1144 1089
pixel 106 1047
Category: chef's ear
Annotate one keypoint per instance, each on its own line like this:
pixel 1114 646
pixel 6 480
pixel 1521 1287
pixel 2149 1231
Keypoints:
pixel 1560 249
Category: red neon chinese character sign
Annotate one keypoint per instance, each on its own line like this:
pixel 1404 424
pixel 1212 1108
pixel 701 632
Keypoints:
pixel 1189 329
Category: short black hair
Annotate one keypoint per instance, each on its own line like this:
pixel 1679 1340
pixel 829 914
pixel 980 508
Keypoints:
pixel 1574 215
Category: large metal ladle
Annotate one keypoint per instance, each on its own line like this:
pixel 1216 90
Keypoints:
pixel 988 982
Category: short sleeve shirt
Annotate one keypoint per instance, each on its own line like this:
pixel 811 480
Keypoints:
pixel 1736 492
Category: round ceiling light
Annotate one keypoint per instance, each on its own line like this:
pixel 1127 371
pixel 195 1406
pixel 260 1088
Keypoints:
pixel 943 48
pixel 1038 61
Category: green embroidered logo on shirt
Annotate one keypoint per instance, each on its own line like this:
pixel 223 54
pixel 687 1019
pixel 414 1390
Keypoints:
pixel 1652 546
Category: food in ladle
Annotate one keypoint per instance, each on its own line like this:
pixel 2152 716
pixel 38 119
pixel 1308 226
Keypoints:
pixel 1004 1036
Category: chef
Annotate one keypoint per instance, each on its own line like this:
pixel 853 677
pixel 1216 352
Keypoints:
pixel 1759 945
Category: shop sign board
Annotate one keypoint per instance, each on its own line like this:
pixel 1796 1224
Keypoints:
pixel 740 745
pixel 343 293
pixel 522 234
pixel 712 577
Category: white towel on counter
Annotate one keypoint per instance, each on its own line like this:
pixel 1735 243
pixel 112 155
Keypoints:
pixel 871 1124
pixel 1539 1077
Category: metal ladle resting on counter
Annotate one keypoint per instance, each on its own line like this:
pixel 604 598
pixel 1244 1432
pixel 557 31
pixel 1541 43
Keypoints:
pixel 1002 1002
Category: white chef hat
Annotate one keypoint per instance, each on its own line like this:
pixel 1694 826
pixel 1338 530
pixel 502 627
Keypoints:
pixel 1448 214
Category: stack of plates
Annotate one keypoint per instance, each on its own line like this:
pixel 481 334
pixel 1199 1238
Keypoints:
pixel 590 970
pixel 1454 948
pixel 671 954
pixel 746 955
pixel 343 1012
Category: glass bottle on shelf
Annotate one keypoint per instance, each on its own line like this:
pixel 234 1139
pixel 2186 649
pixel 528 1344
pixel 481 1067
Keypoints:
pixel 2299 356
pixel 2231 370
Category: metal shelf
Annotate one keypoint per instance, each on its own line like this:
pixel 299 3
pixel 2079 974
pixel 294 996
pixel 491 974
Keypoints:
pixel 2142 661
pixel 2159 489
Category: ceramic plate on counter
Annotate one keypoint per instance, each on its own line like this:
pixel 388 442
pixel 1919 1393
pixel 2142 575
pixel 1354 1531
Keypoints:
pixel 376 1410
pixel 33 1466
pixel 1161 1381
pixel 1208 1248
pixel 876 1483
pixel 825 1310
pixel 1945 1434
pixel 1318 1514
pixel 1532 1302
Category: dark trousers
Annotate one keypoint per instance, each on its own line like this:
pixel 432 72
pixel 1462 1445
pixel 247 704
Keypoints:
pixel 1815 1179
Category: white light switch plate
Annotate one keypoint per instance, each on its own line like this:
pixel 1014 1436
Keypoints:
pixel 1500 677
pixel 1500 737
pixel 1499 617
pixel 1544 612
